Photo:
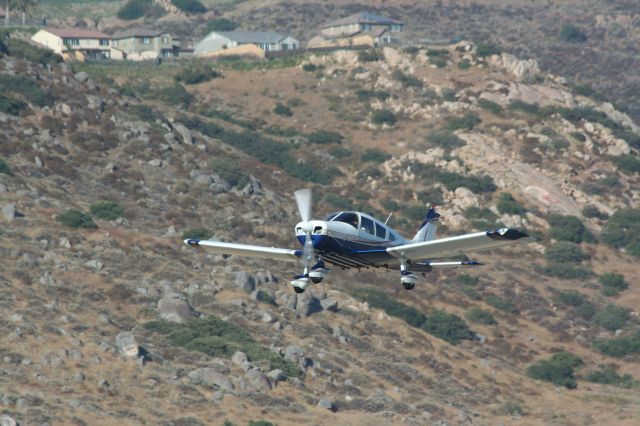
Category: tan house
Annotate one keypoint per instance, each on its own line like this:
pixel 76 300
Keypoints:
pixel 141 43
pixel 243 42
pixel 360 29
pixel 74 43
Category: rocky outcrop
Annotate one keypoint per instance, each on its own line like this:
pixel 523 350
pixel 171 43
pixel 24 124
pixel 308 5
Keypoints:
pixel 211 378
pixel 174 307
pixel 521 69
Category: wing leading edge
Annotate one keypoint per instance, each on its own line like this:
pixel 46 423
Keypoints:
pixel 246 250
pixel 462 244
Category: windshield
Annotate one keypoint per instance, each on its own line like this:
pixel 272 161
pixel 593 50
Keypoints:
pixel 348 218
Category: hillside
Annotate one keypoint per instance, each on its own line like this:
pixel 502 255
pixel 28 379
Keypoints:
pixel 108 318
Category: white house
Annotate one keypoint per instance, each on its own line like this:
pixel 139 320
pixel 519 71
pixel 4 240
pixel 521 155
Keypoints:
pixel 266 40
pixel 74 43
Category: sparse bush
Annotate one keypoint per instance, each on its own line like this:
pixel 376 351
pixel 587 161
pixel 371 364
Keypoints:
pixel 568 228
pixel 612 284
pixel 464 64
pixel 611 317
pixel 189 6
pixel 500 303
pixel 196 234
pixel 4 168
pixel 592 211
pixel 25 87
pixel 557 370
pixel 480 316
pixel 221 24
pixel 446 140
pixel 366 95
pixel 627 163
pixel 144 112
pixel 229 171
pixel 383 116
pixel 508 205
pixel 586 311
pixel 566 271
pixel 134 9
pixel 607 375
pixel 579 136
pixel 309 67
pixel 371 55
pixel 260 423
pixel 380 300
pixel 76 219
pixel 622 230
pixel 337 201
pixel 283 110
pixel 9 105
pixel 563 252
pixel 448 327
pixel 413 212
pixel 570 298
pixel 583 90
pixel 466 122
pixel 480 217
pixel 487 49
pixel 175 94
pixel 22 49
pixel 407 80
pixel 468 280
pixel 322 137
pixel 619 346
pixel 195 73
pixel 107 210
pixel 490 106
pixel 521 106
pixel 511 408
pixel 438 61
pixel 340 152
pixel 375 156
pixel 572 34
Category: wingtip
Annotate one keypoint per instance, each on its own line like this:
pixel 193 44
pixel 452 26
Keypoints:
pixel 192 242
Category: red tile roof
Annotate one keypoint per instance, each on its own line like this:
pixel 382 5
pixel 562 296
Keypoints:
pixel 76 33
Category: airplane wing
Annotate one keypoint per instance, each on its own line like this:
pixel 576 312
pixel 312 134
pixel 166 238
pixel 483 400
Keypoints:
pixel 246 250
pixel 462 244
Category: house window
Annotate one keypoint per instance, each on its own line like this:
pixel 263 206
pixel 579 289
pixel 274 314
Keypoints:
pixel 165 39
pixel 71 41
pixel 396 28
pixel 146 40
pixel 114 43
pixel 104 42
pixel 366 27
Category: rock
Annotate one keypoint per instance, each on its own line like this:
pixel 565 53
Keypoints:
pixel 126 344
pixel 293 353
pixel 307 304
pixel 3 187
pixel 81 76
pixel 9 212
pixel 174 307
pixel 184 133
pixel 156 162
pixel 257 380
pixel 63 108
pixel 245 281
pixel 6 420
pixel 95 102
pixel 211 378
pixel 464 198
pixel 38 161
pixel 78 377
pixel 94 264
pixel 239 358
pixel 276 375
pixel 325 403
pixel 329 304
pixel 520 69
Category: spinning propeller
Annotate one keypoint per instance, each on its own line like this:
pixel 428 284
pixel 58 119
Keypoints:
pixel 304 200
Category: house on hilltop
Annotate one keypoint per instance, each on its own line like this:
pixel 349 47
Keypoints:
pixel 142 43
pixel 360 29
pixel 74 43
pixel 244 42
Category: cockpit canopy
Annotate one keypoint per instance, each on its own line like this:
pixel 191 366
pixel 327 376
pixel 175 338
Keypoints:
pixel 364 223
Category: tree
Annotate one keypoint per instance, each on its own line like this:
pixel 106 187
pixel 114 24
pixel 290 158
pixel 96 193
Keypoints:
pixel 24 6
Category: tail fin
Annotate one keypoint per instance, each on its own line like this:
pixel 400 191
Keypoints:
pixel 427 231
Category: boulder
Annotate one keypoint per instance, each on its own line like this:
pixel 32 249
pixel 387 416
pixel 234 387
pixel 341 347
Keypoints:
pixel 293 353
pixel 174 307
pixel 307 304
pixel 126 344
pixel 276 375
pixel 211 378
pixel 81 76
pixel 9 212
pixel 184 133
pixel 256 380
pixel 239 358
pixel 329 304
pixel 6 420
pixel 245 281
pixel 325 403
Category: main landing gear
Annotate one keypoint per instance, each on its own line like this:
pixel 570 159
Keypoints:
pixel 407 278
pixel 316 275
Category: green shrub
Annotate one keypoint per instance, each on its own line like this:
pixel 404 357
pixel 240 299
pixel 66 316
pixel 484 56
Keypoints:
pixel 189 6
pixel 619 346
pixel 195 73
pixel 446 140
pixel 134 9
pixel 564 252
pixel 579 136
pixel 414 212
pixel 380 300
pixel 487 49
pixel 322 137
pixel 586 311
pixel 196 234
pixel 466 122
pixel 566 271
pixel 406 80
pixel 511 408
pixel 593 212
pixel 612 284
pixel 490 106
pixel 371 55
pixel 144 112
pixel 221 24
pixel 500 303
pixel 468 280
pixel 22 49
pixel 229 171
pixel 480 316
pixel 310 67
pixel 508 205
pixel 438 61
pixel 612 317
pixel 383 116
pixel 480 217
pixel 9 105
pixel 477 184
pixel 340 152
pixel 464 64
pixel 260 423
pixel 366 95
pixel 568 228
pixel 627 163
pixel 375 156
pixel 76 219
pixel 607 375
pixel 174 94
pixel 572 34
pixel 570 298
pixel 27 88
pixel 448 327
pixel 559 369
pixel 622 230
pixel 4 168
pixel 337 201
pixel 521 106
pixel 283 110
pixel 107 210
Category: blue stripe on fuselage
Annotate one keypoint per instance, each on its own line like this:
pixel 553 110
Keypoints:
pixel 370 252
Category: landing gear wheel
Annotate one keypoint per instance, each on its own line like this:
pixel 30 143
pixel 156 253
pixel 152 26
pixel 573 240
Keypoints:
pixel 298 290
pixel 408 286
pixel 316 280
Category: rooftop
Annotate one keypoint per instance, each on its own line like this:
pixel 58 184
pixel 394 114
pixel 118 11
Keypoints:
pixel 252 36
pixel 361 18
pixel 76 33
pixel 137 32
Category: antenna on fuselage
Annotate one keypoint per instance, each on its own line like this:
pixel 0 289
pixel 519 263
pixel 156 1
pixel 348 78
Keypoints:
pixel 389 217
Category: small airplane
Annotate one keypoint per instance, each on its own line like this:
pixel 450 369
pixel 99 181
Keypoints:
pixel 350 239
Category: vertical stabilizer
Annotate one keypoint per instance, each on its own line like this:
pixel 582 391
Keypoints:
pixel 427 231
